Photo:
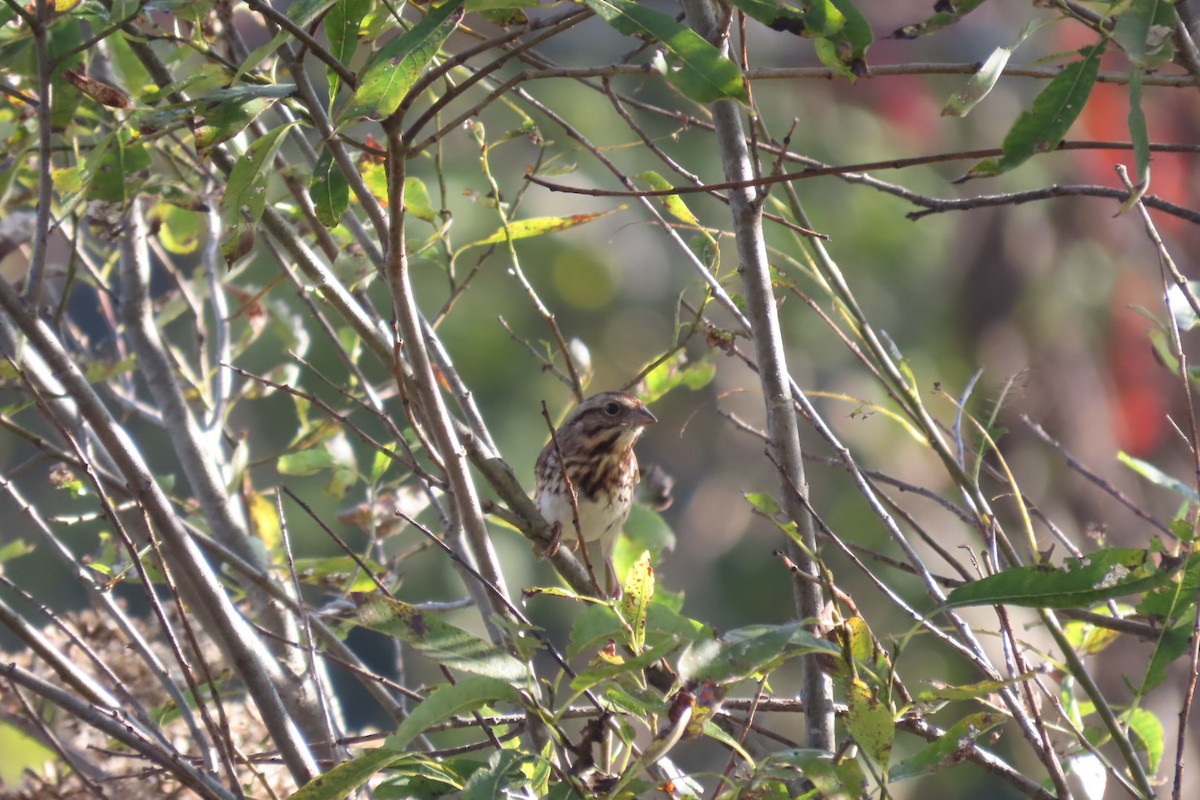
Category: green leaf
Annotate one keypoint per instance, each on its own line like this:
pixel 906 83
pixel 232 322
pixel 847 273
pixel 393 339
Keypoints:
pixel 1054 110
pixel 329 190
pixel 1139 135
pixel 417 202
pixel 970 691
pixel 538 226
pixel 870 722
pixel 469 694
pixel 700 71
pixel 225 113
pixel 1148 731
pixel 502 775
pixel 635 600
pixel 341 27
pixel 675 372
pixel 1105 574
pixel 949 748
pixel 748 651
pixel 775 16
pixel 15 549
pixel 845 49
pixel 444 643
pixel 304 13
pixel 664 626
pixel 941 19
pixel 245 195
pixel 981 83
pixel 397 66
pixel 672 203
pixel 116 174
pixel 343 779
pixel 1143 30
pixel 1158 477
pixel 834 777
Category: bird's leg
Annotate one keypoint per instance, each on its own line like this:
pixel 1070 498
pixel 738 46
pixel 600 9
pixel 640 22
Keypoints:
pixel 551 547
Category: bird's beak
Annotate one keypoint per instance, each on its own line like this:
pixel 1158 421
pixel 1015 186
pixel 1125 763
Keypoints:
pixel 643 417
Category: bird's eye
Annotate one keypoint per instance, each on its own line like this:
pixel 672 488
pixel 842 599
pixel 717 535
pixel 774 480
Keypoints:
pixel 612 409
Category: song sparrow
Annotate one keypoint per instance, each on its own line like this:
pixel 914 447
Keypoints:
pixel 597 445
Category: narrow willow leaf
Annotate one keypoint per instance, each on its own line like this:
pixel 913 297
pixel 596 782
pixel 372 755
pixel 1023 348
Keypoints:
pixel 341 27
pixel 699 71
pixel 245 196
pixel 539 226
pixel 984 80
pixel 672 203
pixel 775 16
pixel 1054 110
pixel 397 66
pixel 1139 135
pixel 940 19
pixel 949 748
pixel 329 190
pixel 746 651
pixel 1081 582
pixel 1158 477
pixel 303 13
pixel 1143 30
pixel 444 643
pixel 343 779
pixel 226 113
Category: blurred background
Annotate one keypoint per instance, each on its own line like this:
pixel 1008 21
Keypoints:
pixel 1051 302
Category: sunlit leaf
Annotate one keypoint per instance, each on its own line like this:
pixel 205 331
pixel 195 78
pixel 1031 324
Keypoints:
pixel 397 66
pixel 699 70
pixel 539 226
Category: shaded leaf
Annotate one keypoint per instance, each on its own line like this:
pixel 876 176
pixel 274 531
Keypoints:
pixel 1105 574
pixel 748 651
pixel 949 747
pixel 444 643
pixel 245 196
pixel 1044 125
pixel 225 113
pixel 1143 30
pixel 870 721
pixel 329 190
pixel 341 27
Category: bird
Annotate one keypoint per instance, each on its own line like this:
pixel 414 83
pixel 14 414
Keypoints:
pixel 596 445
